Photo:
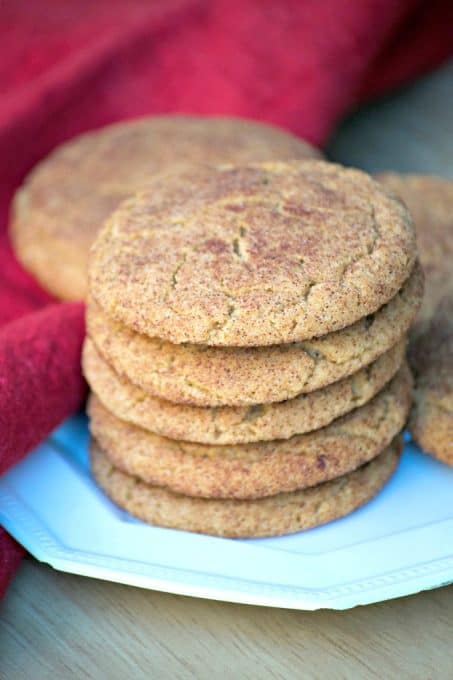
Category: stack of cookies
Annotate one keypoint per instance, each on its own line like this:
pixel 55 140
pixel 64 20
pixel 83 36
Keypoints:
pixel 245 349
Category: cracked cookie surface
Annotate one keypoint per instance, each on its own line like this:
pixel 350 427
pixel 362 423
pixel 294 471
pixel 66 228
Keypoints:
pixel 243 424
pixel 257 469
pixel 260 254
pixel 272 516
pixel 66 198
pixel 225 376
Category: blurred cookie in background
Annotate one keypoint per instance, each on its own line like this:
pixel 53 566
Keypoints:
pixel 430 201
pixel 64 201
pixel 431 356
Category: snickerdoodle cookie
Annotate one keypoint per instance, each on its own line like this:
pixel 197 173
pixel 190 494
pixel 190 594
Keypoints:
pixel 258 254
pixel 282 514
pixel 431 355
pixel 430 201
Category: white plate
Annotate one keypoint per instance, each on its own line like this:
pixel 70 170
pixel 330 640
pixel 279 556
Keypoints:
pixel 400 543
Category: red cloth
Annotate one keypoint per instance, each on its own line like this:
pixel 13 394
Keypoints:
pixel 70 65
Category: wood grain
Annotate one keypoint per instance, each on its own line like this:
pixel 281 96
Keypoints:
pixel 55 625
pixel 59 626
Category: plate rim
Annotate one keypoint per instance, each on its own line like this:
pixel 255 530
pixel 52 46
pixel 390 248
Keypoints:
pixel 37 538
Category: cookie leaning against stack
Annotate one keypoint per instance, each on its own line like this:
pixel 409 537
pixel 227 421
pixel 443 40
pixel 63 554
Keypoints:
pixel 246 346
pixel 430 201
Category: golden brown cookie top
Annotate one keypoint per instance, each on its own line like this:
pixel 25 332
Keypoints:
pixel 258 254
pixel 430 202
pixel 67 197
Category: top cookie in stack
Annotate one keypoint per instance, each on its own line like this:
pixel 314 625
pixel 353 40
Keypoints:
pixel 65 199
pixel 252 256
pixel 246 345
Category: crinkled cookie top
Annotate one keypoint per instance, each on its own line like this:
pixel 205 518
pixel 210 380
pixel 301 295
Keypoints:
pixel 259 254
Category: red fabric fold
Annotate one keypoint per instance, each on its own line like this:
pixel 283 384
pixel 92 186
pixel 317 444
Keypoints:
pixel 71 65
pixel 40 378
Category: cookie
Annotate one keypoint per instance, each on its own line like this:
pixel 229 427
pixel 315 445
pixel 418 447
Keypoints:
pixel 430 202
pixel 243 424
pixel 216 376
pixel 252 255
pixel 273 516
pixel 66 198
pixel 431 422
pixel 257 469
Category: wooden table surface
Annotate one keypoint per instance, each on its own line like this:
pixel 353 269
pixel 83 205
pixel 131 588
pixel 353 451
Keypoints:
pixel 55 625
